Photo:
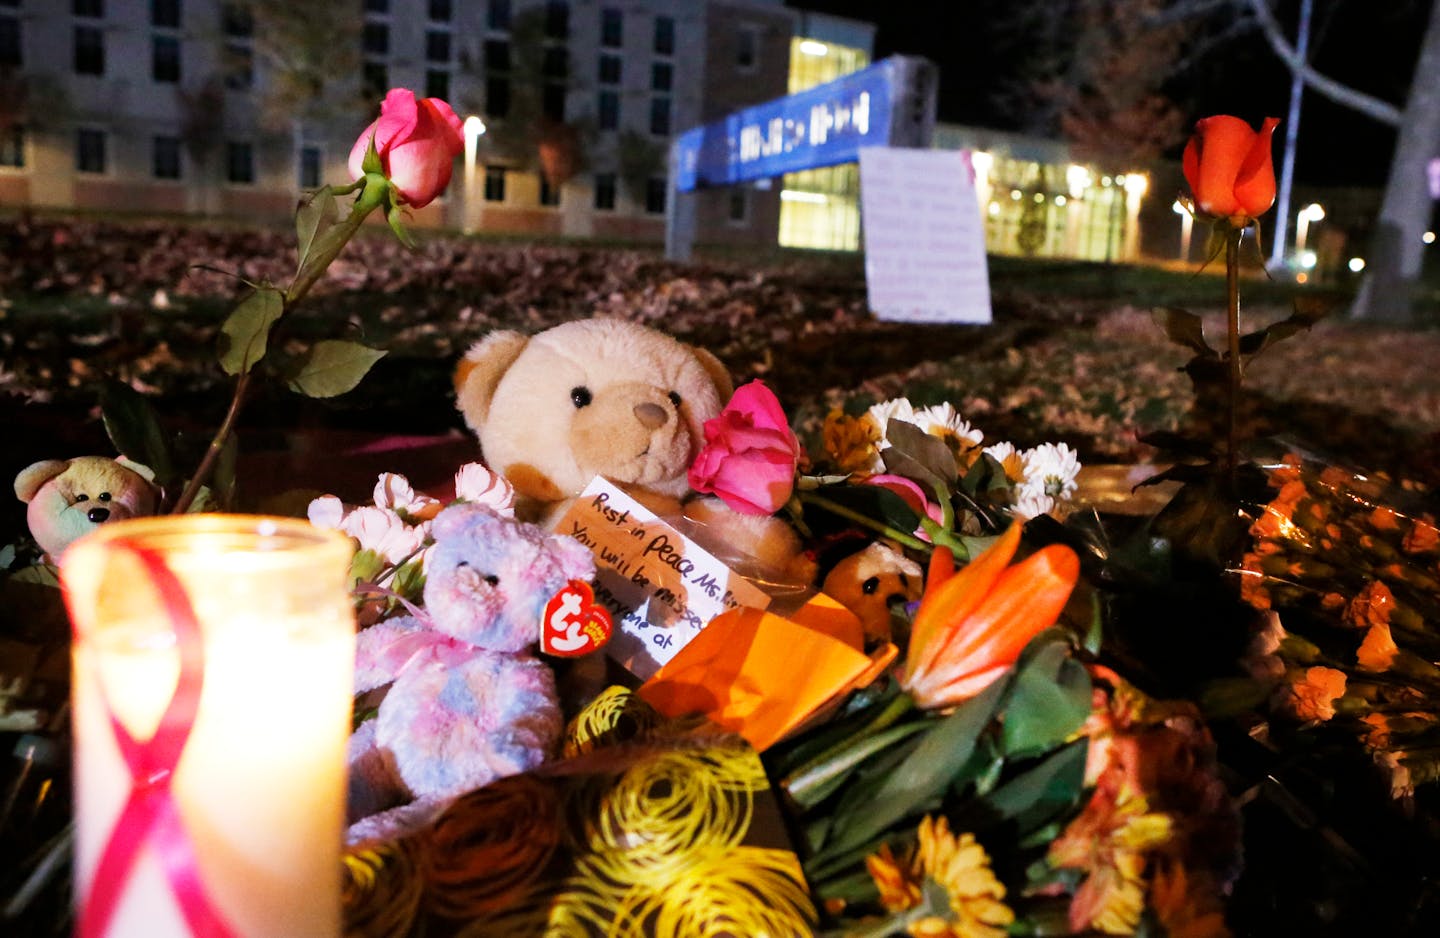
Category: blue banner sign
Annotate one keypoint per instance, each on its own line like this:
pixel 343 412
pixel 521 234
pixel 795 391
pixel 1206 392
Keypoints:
pixel 883 105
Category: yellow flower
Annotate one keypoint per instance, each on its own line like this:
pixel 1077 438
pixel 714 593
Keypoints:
pixel 852 442
pixel 960 866
pixel 898 883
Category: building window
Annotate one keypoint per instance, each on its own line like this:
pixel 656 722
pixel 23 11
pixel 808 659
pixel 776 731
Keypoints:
pixel 662 76
pixel 437 84
pixel 165 158
pixel 664 35
pixel 89 150
pixel 377 6
pixel 610 70
pixel 12 147
pixel 165 59
pixel 739 205
pixel 557 19
pixel 89 51
pixel 498 14
pixel 239 66
pixel 440 11
pixel 655 195
pixel 605 192
pixel 747 49
pixel 437 46
pixel 236 20
pixel 549 195
pixel 10 54
pixel 165 13
pixel 375 39
pixel 497 55
pixel 240 162
pixel 95 9
pixel 607 110
pixel 374 79
pixel 556 63
pixel 612 28
pixel 309 167
pixel 660 116
pixel 553 103
pixel 494 184
pixel 497 97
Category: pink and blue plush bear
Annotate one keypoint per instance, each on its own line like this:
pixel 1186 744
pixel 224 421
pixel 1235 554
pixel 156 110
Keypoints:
pixel 467 702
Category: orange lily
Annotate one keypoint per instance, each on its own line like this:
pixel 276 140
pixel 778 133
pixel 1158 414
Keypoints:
pixel 972 625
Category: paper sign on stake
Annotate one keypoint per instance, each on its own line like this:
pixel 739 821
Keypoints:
pixel 924 236
pixel 660 587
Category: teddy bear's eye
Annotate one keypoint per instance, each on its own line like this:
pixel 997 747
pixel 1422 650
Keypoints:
pixel 104 496
pixel 870 586
pixel 675 398
pixel 580 396
pixel 82 498
pixel 493 580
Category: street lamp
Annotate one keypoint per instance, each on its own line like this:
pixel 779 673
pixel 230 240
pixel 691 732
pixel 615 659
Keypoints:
pixel 1311 212
pixel 1187 223
pixel 472 128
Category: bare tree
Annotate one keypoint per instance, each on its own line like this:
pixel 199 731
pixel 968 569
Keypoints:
pixel 1396 250
pixel 311 53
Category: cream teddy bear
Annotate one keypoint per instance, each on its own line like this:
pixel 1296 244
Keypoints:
pixel 69 498
pixel 616 399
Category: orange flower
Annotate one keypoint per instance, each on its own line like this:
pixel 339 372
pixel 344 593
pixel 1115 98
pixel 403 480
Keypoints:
pixel 1311 694
pixel 972 626
pixel 1229 168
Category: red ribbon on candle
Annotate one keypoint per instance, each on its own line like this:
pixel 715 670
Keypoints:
pixel 151 814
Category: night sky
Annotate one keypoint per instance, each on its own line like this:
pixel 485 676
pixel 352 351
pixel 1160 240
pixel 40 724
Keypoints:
pixel 1370 44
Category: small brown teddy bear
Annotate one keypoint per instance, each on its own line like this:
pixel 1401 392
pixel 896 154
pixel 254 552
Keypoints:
pixel 69 498
pixel 616 399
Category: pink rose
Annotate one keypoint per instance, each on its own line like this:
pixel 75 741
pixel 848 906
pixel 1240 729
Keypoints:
pixel 750 453
pixel 417 140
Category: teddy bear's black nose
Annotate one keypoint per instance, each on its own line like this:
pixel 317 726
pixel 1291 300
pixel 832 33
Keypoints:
pixel 652 416
pixel 98 515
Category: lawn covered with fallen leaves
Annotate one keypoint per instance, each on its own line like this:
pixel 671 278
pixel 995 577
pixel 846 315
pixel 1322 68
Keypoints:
pixel 1073 353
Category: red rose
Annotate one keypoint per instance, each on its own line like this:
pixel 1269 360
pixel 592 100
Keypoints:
pixel 750 453
pixel 417 140
pixel 1229 168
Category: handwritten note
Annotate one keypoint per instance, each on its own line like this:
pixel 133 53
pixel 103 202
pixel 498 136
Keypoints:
pixel 659 586
pixel 924 238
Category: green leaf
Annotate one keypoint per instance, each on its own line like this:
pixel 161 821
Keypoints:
pixel 1035 795
pixel 1184 328
pixel 392 216
pixel 134 428
pixel 874 502
pixel 223 477
pixel 917 784
pixel 1050 700
pixel 917 455
pixel 371 163
pixel 315 215
pixel 334 366
pixel 1308 311
pixel 247 330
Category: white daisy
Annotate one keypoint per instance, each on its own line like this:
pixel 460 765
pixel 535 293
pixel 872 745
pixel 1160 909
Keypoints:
pixel 944 421
pixel 898 408
pixel 1051 469
pixel 1009 459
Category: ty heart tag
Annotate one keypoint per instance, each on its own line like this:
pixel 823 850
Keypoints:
pixel 573 624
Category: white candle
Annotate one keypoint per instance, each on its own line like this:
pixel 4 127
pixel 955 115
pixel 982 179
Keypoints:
pixel 260 785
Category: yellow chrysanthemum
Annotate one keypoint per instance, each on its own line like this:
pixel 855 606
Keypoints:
pixel 852 442
pixel 961 867
pixel 898 883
